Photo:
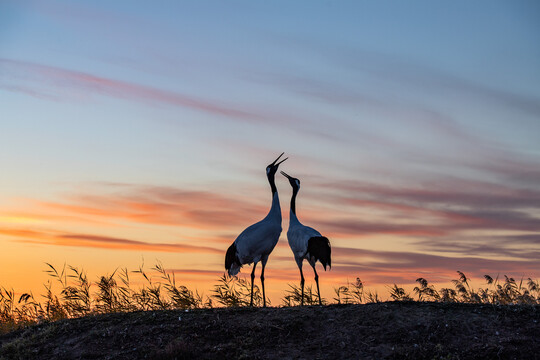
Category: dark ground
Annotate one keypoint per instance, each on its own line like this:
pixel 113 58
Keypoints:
pixel 393 330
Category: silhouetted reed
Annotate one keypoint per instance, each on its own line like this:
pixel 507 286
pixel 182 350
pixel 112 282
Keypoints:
pixel 399 294
pixel 352 293
pixel 426 291
pixel 180 297
pixel 76 300
pixel 505 293
pixel 232 291
pixel 293 296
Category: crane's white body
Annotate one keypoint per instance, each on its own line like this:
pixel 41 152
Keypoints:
pixel 257 241
pixel 298 236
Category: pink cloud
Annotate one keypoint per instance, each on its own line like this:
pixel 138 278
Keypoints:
pixel 59 79
pixel 441 207
pixel 365 263
pixel 29 91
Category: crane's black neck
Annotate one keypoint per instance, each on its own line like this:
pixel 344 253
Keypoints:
pixel 272 182
pixel 293 200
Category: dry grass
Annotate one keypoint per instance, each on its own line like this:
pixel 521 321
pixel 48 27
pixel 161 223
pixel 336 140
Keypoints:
pixel 352 293
pixel 115 293
pixel 293 296
pixel 234 291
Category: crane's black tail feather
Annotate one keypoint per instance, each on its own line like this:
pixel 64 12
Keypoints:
pixel 319 249
pixel 232 263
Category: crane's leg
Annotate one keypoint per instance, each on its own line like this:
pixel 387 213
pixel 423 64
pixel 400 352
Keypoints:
pixel 262 280
pixel 299 263
pixel 317 281
pixel 252 281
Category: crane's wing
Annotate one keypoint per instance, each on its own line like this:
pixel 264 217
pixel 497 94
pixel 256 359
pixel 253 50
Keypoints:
pixel 257 240
pixel 298 237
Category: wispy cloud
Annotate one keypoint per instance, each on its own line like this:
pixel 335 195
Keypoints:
pixel 427 78
pixel 30 92
pixel 58 238
pixel 127 244
pixel 411 125
pixel 24 233
pixel 366 262
pixel 54 82
pixel 376 267
pixel 359 228
pixel 164 206
pixel 520 247
pixel 514 169
pixel 456 216
pixel 424 118
pixel 450 191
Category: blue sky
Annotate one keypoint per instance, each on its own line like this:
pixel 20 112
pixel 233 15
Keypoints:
pixel 412 125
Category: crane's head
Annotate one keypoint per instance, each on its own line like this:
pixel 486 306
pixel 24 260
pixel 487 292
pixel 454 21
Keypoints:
pixel 295 183
pixel 273 167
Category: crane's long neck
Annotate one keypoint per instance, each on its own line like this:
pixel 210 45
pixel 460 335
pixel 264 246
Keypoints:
pixel 275 210
pixel 293 201
pixel 293 219
pixel 271 180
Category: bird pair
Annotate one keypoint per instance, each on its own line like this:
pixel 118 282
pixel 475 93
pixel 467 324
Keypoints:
pixel 257 241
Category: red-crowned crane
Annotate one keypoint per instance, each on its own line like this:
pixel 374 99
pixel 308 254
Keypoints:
pixel 305 242
pixel 257 241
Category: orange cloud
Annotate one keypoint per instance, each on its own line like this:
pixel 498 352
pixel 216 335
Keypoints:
pixel 104 242
pixel 20 233
pixel 164 206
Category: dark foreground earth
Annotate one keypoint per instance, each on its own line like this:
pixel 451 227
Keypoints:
pixel 393 330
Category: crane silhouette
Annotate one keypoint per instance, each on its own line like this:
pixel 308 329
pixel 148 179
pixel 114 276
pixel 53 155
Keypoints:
pixel 257 241
pixel 306 242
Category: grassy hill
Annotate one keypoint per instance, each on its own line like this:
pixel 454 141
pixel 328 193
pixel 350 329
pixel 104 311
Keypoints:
pixel 390 330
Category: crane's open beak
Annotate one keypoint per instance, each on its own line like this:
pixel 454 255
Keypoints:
pixel 274 163
pixel 286 175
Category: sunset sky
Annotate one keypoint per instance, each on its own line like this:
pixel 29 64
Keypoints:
pixel 136 131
